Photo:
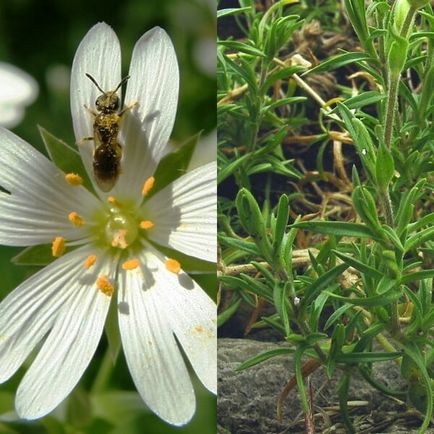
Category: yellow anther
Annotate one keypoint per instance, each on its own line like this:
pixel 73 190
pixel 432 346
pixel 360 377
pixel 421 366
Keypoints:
pixel 148 185
pixel 73 179
pixel 112 201
pixel 173 265
pixel 146 224
pixel 104 285
pixel 90 260
pixel 131 264
pixel 75 219
pixel 119 239
pixel 58 247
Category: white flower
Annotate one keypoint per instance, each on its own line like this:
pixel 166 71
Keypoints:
pixel 17 90
pixel 160 308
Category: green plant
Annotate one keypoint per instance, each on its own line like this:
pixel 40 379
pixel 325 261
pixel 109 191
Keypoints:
pixel 371 263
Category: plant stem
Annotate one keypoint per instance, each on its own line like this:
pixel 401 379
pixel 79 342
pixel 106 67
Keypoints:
pixel 104 373
pixel 392 97
pixel 393 83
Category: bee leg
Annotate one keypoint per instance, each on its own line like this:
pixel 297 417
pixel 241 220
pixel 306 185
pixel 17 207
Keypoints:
pixel 128 107
pixel 83 140
pixel 92 112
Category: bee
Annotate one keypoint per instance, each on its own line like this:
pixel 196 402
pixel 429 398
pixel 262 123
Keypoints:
pixel 108 151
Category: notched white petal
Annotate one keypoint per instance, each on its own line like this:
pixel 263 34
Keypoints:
pixel 154 84
pixel 152 354
pixel 29 311
pixel 68 349
pixel 37 200
pixel 185 214
pixel 193 318
pixel 99 55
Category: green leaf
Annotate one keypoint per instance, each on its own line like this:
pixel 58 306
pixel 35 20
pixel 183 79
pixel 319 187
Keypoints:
pixel 367 357
pixel 366 208
pixel 112 332
pixel 253 222
pixel 174 165
pixel 281 74
pixel 246 246
pixel 384 168
pixel 321 283
pixel 358 265
pixel 232 11
pixel 64 157
pixel 419 238
pixel 264 356
pixel 281 223
pixel 376 300
pixel 412 350
pixel 336 315
pixel 116 406
pixel 228 312
pixel 364 99
pixel 78 409
pixel 418 275
pixel 35 255
pixel 339 61
pixel 341 229
pixel 244 71
pixel 242 47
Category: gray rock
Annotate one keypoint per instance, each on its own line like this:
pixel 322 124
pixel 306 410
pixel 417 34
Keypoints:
pixel 247 399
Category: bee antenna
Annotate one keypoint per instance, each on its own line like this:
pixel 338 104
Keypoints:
pixel 94 82
pixel 124 80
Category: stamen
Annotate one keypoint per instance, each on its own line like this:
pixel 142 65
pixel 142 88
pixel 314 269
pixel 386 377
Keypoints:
pixel 58 247
pixel 73 179
pixel 148 185
pixel 146 224
pixel 119 239
pixel 131 264
pixel 75 219
pixel 90 261
pixel 112 201
pixel 173 265
pixel 104 285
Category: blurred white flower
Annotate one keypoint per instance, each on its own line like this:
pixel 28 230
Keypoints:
pixel 17 90
pixel 117 259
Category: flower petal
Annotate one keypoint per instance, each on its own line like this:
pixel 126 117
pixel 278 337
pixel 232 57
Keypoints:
pixel 99 55
pixel 154 84
pixel 67 350
pixel 152 354
pixel 184 214
pixel 193 318
pixel 29 311
pixel 40 199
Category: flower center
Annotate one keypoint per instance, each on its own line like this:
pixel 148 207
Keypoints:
pixel 121 229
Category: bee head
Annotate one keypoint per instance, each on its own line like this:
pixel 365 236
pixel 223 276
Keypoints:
pixel 107 102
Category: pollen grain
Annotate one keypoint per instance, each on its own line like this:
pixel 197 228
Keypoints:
pixel 104 285
pixel 146 224
pixel 76 219
pixel 148 185
pixel 112 201
pixel 131 264
pixel 58 247
pixel 173 265
pixel 90 261
pixel 73 179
